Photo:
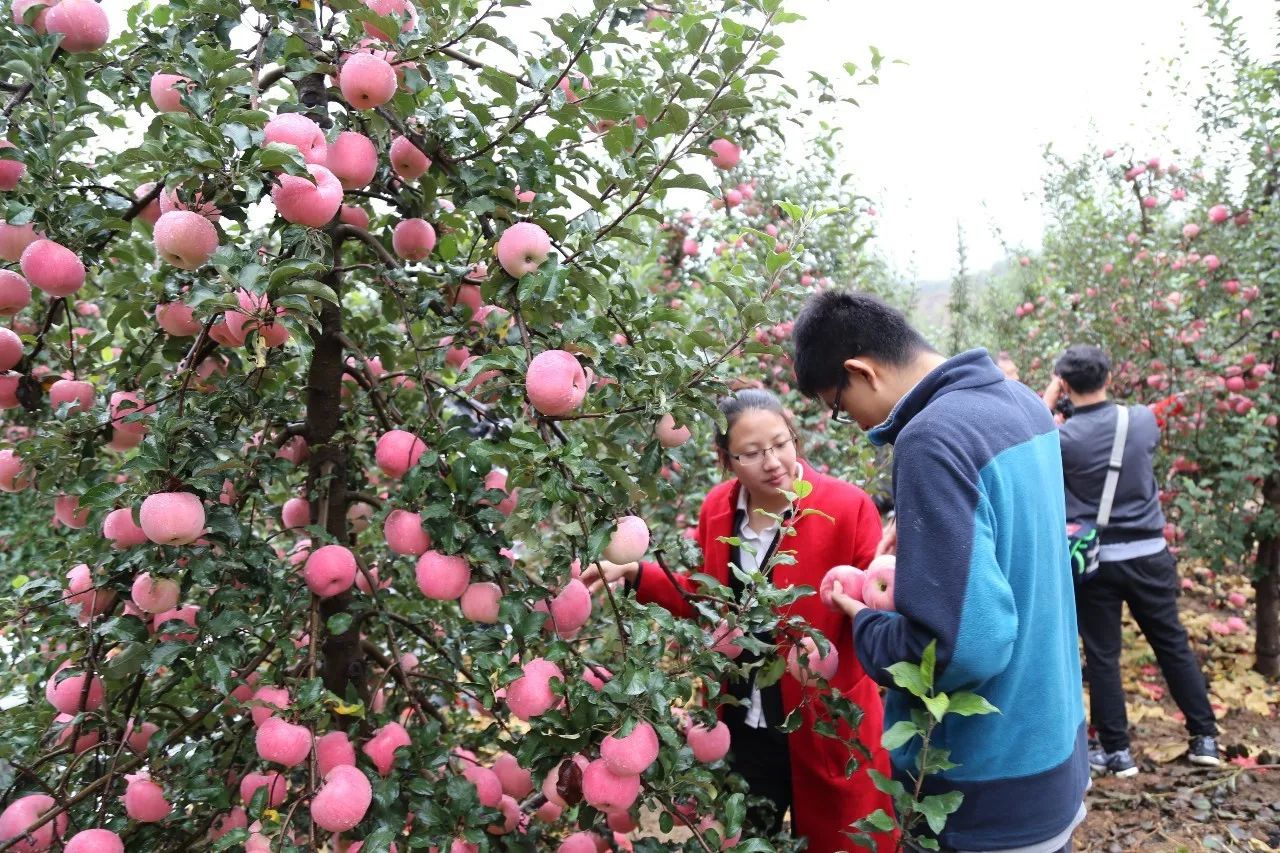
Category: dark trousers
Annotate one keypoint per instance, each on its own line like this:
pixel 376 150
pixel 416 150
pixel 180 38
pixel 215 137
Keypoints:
pixel 761 757
pixel 1149 585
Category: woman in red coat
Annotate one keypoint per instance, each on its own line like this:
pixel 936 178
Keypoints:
pixel 803 771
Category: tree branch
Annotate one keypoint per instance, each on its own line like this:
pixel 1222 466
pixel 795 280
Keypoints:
pixel 546 93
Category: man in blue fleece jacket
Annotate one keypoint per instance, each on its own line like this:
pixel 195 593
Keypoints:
pixel 982 567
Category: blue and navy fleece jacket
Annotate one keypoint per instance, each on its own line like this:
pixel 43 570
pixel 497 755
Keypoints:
pixel 983 569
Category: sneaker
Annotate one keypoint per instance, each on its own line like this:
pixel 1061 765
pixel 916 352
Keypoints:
pixel 1204 751
pixel 1119 763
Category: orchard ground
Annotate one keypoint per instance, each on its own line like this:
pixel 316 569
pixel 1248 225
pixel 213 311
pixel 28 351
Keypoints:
pixel 1173 805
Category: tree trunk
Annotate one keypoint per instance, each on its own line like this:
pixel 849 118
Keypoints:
pixel 343 665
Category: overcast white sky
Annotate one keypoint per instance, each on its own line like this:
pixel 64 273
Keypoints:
pixel 988 85
pixel 956 135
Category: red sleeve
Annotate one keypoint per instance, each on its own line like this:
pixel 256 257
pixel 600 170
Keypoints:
pixel 654 586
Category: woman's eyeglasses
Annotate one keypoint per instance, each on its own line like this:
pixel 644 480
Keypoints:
pixel 755 457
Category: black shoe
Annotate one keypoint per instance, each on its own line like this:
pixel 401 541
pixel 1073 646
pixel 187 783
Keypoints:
pixel 1204 751
pixel 1119 763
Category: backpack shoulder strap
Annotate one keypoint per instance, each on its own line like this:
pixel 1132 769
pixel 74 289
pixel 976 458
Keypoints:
pixel 1113 467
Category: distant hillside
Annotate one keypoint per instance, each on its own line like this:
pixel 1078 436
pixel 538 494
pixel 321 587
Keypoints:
pixel 930 312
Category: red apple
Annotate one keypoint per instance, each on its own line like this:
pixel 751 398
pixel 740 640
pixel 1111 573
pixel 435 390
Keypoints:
pixel 299 131
pixel 523 248
pixel 725 155
pixel 367 81
pixel 185 239
pixel 555 383
pixel 877 590
pixel 302 202
pixel 413 239
pixel 82 23
pixel 353 161
pixel 407 160
pixel 851 584
pixel 166 92
pixel 51 266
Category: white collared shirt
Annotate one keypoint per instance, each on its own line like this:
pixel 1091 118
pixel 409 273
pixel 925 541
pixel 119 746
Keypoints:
pixel 759 542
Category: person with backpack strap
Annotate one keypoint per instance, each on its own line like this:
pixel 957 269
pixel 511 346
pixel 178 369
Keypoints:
pixel 1111 493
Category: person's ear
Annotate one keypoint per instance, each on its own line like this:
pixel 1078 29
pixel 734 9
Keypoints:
pixel 865 369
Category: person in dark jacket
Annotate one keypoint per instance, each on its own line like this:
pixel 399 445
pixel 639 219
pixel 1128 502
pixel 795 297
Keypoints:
pixel 802 771
pixel 1135 566
pixel 982 568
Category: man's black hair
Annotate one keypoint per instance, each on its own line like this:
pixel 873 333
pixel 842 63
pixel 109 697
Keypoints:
pixel 1085 368
pixel 837 325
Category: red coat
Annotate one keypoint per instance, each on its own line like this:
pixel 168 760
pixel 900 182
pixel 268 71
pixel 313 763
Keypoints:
pixel 824 802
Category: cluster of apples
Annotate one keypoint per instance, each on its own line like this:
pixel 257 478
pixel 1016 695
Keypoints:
pixel 610 783
pixel 25 811
pixel 873 587
pixel 82 24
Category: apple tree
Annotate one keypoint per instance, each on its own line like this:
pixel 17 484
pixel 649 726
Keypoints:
pixel 324 376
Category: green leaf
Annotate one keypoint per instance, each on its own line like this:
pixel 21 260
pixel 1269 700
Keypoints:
pixel 936 807
pixel 928 661
pixel 792 722
pixel 687 182
pixel 238 134
pixel 501 82
pixel 735 812
pixel 880 821
pixel 127 662
pixel 379 841
pixel 907 676
pixel 310 287
pixel 277 156
pixel 776 261
pixel 674 120
pixel 771 672
pixel 612 104
pixel 731 102
pixel 222 520
pixel 338 623
pixel 899 734
pixel 101 495
pixel 937 705
pixel 802 488
pixel 166 653
pixel 967 704
pixel 752 845
pixel 887 785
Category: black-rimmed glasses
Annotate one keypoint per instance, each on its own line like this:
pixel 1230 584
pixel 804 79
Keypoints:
pixel 838 414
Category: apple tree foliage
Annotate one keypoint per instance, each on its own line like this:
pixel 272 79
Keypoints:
pixel 497 100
